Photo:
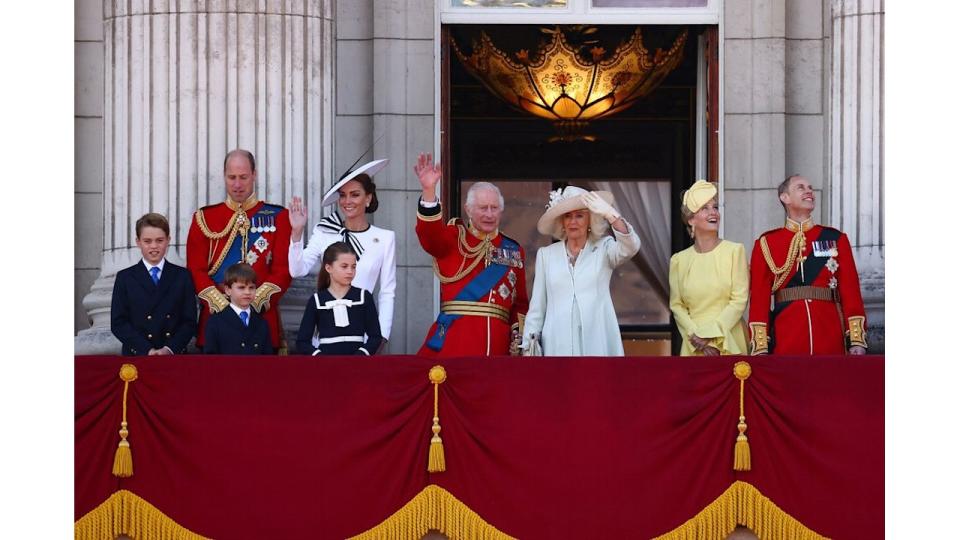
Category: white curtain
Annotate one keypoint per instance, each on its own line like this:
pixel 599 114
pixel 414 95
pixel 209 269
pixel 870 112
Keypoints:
pixel 646 205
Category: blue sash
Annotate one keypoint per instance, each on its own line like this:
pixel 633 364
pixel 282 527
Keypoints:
pixel 234 255
pixel 475 290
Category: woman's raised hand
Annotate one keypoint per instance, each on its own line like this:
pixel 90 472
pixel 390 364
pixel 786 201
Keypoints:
pixel 298 217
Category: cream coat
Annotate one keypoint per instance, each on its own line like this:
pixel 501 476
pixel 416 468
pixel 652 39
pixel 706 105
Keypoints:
pixel 554 289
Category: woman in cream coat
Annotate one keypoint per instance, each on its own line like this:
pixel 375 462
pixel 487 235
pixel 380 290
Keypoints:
pixel 571 311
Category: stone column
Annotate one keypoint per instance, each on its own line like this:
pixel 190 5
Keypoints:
pixel 186 81
pixel 856 146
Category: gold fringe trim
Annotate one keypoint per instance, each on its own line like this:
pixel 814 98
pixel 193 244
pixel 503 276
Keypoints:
pixel 124 513
pixel 434 508
pixel 742 504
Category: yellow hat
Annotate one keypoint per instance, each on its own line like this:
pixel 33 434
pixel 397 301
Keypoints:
pixel 699 194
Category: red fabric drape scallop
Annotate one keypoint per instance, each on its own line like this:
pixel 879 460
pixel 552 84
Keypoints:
pixel 292 447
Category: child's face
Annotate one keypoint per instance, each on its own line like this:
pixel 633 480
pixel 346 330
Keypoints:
pixel 240 293
pixel 343 269
pixel 153 243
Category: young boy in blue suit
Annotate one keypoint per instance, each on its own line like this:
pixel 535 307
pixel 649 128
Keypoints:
pixel 154 305
pixel 239 329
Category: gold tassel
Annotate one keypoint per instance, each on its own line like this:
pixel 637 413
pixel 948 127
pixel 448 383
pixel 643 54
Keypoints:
pixel 436 461
pixel 123 459
pixel 741 450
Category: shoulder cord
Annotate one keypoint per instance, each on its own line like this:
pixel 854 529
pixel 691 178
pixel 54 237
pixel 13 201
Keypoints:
pixel 797 245
pixel 468 252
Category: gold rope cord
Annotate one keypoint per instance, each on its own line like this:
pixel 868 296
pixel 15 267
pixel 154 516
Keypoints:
pixel 467 252
pixel 742 504
pixel 434 508
pixel 797 245
pixel 235 225
pixel 436 461
pixel 124 513
pixel 741 450
pixel 123 457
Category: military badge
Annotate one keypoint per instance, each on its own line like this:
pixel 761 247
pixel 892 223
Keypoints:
pixel 832 265
pixel 833 282
pixel 252 257
pixel 825 248
pixel 506 257
pixel 512 278
pixel 504 291
pixel 261 244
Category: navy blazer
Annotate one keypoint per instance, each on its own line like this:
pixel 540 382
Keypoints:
pixel 226 334
pixel 145 316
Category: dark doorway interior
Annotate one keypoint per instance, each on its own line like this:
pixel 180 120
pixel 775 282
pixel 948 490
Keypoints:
pixel 653 141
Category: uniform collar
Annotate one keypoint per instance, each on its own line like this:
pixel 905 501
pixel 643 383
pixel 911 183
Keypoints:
pixel 482 235
pixel 247 204
pixel 794 226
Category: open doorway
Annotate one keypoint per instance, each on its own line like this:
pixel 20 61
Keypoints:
pixel 646 155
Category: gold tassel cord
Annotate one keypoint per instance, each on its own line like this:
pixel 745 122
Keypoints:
pixel 124 513
pixel 437 509
pixel 741 450
pixel 742 504
pixel 123 459
pixel 435 460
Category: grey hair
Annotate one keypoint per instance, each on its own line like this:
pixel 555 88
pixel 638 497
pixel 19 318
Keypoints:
pixel 598 227
pixel 472 197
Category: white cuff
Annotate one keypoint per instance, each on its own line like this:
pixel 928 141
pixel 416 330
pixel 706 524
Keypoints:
pixel 432 204
pixel 316 352
pixel 364 351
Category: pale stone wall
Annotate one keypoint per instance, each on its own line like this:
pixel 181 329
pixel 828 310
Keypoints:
pixel 385 89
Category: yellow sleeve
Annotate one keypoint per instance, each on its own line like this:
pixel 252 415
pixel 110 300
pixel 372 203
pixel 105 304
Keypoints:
pixel 732 314
pixel 680 313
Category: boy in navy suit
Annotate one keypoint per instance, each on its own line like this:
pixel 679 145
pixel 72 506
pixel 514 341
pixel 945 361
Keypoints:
pixel 154 305
pixel 239 329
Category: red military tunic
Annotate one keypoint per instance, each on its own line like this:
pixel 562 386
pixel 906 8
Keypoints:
pixel 485 326
pixel 223 234
pixel 817 310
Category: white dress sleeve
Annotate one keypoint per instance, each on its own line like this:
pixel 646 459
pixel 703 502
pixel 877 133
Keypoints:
pixel 388 284
pixel 301 260
pixel 624 247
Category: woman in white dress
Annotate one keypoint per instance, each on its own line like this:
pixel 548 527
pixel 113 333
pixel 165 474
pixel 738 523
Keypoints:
pixel 571 312
pixel 356 196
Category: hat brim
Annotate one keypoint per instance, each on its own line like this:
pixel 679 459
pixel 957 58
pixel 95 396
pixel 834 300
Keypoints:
pixel 547 224
pixel 371 168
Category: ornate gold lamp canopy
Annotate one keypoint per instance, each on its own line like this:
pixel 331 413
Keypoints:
pixel 571 85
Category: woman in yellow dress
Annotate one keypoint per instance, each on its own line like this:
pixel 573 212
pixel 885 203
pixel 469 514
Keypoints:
pixel 709 281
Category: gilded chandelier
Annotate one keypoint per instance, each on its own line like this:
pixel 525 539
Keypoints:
pixel 560 84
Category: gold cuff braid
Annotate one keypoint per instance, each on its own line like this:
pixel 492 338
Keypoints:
pixel 215 299
pixel 858 334
pixel 758 338
pixel 261 302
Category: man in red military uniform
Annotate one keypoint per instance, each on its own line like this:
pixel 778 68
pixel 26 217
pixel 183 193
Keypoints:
pixel 806 272
pixel 483 291
pixel 240 229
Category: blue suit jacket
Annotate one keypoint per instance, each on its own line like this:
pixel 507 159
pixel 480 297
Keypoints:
pixel 145 316
pixel 226 334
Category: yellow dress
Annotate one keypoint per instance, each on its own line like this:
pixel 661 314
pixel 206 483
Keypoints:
pixel 708 295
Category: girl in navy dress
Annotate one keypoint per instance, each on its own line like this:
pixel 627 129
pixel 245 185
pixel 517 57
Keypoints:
pixel 343 318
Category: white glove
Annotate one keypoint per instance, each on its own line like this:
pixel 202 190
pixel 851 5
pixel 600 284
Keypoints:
pixel 601 207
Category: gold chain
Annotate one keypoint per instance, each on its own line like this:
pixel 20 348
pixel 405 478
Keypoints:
pixel 797 245
pixel 475 252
